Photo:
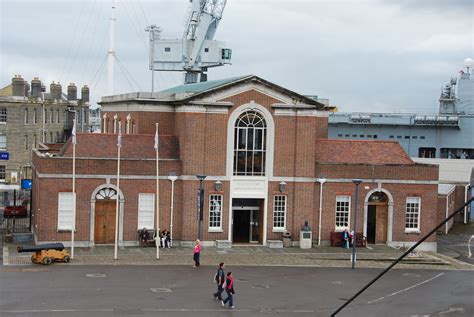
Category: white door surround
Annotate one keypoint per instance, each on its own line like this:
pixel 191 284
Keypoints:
pixel 250 186
pixel 390 211
pixel 121 211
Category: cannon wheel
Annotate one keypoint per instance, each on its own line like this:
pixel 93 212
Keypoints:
pixel 66 259
pixel 47 260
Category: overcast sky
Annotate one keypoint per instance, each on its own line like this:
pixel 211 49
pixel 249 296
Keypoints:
pixel 364 55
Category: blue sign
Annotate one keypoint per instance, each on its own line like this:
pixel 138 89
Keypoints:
pixel 26 184
pixel 4 156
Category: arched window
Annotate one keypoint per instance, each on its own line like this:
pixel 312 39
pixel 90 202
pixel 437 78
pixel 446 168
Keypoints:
pixel 250 144
pixel 106 193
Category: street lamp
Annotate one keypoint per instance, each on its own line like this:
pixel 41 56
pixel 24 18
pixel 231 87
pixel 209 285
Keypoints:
pixel 172 177
pixel 321 181
pixel 354 237
pixel 200 204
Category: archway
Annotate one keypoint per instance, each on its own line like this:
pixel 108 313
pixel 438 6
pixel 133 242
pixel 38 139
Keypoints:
pixel 103 209
pixel 378 204
pixel 377 218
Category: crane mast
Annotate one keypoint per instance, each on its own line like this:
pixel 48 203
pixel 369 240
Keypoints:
pixel 196 51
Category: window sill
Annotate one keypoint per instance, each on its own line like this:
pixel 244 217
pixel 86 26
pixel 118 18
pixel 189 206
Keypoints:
pixel 216 230
pixel 412 231
pixel 65 230
pixel 341 229
pixel 279 230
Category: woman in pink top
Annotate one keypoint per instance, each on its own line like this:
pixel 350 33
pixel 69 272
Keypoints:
pixel 197 252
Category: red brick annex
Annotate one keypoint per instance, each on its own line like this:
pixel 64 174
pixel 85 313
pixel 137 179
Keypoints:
pixel 266 157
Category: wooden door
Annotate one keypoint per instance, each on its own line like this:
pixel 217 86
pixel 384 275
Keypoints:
pixel 104 222
pixel 381 224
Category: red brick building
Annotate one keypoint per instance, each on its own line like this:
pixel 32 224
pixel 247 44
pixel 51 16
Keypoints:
pixel 265 152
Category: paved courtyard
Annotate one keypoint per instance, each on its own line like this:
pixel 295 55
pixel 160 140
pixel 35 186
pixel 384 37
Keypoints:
pixel 322 256
pixel 60 290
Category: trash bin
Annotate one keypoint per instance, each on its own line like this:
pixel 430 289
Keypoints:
pixel 286 240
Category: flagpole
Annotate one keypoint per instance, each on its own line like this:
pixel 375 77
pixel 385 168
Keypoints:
pixel 119 145
pixel 157 240
pixel 73 186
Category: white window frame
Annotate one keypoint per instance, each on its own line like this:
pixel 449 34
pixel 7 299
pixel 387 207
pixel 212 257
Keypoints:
pixel 342 199
pixel 3 145
pixel 146 223
pixel 65 211
pixel 278 209
pixel 213 209
pixel 411 200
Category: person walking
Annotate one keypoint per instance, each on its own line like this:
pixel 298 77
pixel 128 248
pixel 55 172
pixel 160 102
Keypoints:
pixel 220 279
pixel 197 253
pixel 229 289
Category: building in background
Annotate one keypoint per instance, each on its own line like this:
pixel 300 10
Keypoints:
pixel 30 116
pixel 445 138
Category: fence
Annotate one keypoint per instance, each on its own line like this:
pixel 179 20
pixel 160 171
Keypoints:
pixel 15 211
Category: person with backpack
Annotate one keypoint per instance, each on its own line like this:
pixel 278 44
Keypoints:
pixel 220 280
pixel 229 289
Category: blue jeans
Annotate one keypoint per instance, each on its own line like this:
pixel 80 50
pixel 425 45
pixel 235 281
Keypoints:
pixel 196 259
pixel 229 298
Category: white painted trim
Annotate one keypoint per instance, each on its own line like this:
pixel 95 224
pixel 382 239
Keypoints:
pixel 301 113
pixel 389 213
pixel 134 107
pixel 239 89
pixel 229 178
pixel 121 211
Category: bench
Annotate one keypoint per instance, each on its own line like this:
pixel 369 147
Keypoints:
pixel 337 239
pixel 146 238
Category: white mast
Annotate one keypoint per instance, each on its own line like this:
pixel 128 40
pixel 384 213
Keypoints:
pixel 111 53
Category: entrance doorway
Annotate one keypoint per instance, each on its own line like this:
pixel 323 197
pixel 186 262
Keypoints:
pixel 104 222
pixel 247 220
pixel 377 217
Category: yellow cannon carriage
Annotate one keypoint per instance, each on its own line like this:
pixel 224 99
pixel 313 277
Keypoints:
pixel 47 253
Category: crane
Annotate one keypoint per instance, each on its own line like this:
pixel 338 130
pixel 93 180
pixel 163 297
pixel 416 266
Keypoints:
pixel 196 51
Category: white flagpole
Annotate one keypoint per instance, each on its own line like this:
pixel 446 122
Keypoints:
pixel 119 145
pixel 157 240
pixel 73 186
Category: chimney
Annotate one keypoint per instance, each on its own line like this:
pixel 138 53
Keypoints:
pixel 36 87
pixel 85 93
pixel 71 92
pixel 27 89
pixel 55 90
pixel 18 86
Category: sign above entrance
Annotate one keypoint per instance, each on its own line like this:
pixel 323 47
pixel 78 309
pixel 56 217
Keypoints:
pixel 249 188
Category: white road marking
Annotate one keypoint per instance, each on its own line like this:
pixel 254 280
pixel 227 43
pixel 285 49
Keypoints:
pixel 405 289
pixel 95 275
pixel 469 246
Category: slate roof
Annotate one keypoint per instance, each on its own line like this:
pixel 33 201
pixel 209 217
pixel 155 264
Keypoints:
pixel 134 146
pixel 204 86
pixel 361 152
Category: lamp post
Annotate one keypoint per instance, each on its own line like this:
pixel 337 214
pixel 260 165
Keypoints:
pixel 354 237
pixel 321 181
pixel 200 204
pixel 172 177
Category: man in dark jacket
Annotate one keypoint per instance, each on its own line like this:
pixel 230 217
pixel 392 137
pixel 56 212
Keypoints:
pixel 220 279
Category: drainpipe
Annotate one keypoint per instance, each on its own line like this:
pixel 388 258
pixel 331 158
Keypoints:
pixel 447 211
pixel 466 190
pixel 321 181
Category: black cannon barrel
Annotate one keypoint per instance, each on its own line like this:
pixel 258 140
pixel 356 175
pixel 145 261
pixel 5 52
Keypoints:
pixel 48 246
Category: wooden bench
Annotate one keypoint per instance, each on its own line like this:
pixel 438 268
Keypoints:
pixel 337 239
pixel 149 240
